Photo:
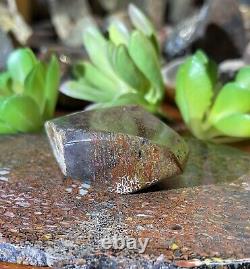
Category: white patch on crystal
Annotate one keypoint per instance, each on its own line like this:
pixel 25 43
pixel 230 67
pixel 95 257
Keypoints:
pixel 126 184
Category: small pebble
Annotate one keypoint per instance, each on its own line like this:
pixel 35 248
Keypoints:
pixel 9 214
pixel 144 215
pixel 4 172
pixel 23 204
pixel 83 192
pixel 69 190
pixel 85 185
pixel 38 213
pixel 4 179
pixel 174 246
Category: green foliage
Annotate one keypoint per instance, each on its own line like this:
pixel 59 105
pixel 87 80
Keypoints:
pixel 222 115
pixel 28 92
pixel 123 69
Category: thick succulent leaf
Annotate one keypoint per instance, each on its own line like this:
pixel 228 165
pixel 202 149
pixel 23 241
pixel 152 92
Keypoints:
pixel 237 125
pixel 150 96
pixel 156 45
pixel 145 57
pixel 96 46
pixel 132 99
pixel 78 69
pixel 34 85
pixel 6 129
pixel 125 99
pixel 5 84
pixel 97 79
pixel 118 33
pixel 96 106
pixel 128 99
pixel 21 113
pixel 122 86
pixel 20 63
pixel 232 99
pixel 17 87
pixel 52 80
pixel 143 24
pixel 83 91
pixel 194 87
pixel 140 21
pixel 180 97
pixel 212 70
pixel 128 71
pixel 243 77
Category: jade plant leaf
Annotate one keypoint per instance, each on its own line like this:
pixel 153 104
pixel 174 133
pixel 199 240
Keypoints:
pixel 219 116
pixel 144 55
pixel 6 129
pixel 52 80
pixel 21 113
pixel 236 125
pixel 96 46
pixel 140 21
pixel 83 91
pixel 128 99
pixel 35 85
pixel 118 33
pixel 98 80
pixel 5 81
pixel 28 92
pixel 20 63
pixel 143 24
pixel 122 69
pixel 78 69
pixel 192 78
pixel 243 77
pixel 128 71
pixel 231 99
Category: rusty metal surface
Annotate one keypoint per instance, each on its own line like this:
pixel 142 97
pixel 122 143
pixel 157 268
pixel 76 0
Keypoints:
pixel 46 220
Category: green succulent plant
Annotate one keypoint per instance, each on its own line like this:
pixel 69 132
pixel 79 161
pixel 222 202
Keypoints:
pixel 123 69
pixel 212 112
pixel 28 92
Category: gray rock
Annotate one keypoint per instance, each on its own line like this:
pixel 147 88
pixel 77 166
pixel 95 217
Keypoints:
pixel 70 19
pixel 23 255
pixel 5 48
pixel 154 9
pixel 216 29
pixel 8 253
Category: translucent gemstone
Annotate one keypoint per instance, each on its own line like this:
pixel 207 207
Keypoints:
pixel 120 149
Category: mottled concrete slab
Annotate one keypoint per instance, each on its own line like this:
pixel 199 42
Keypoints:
pixel 199 218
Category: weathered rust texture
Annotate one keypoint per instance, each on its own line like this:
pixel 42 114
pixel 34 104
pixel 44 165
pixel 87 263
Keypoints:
pixel 66 219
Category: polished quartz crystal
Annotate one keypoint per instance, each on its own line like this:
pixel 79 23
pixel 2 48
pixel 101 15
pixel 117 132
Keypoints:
pixel 120 149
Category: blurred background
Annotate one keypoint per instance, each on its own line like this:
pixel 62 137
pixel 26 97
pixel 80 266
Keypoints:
pixel 220 28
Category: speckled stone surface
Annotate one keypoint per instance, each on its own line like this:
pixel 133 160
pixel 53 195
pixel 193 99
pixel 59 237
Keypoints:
pixel 120 149
pixel 199 218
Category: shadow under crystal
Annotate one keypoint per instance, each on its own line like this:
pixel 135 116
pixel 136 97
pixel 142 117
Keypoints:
pixel 208 164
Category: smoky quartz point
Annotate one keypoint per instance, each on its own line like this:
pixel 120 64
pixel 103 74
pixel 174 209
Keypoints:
pixel 121 149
